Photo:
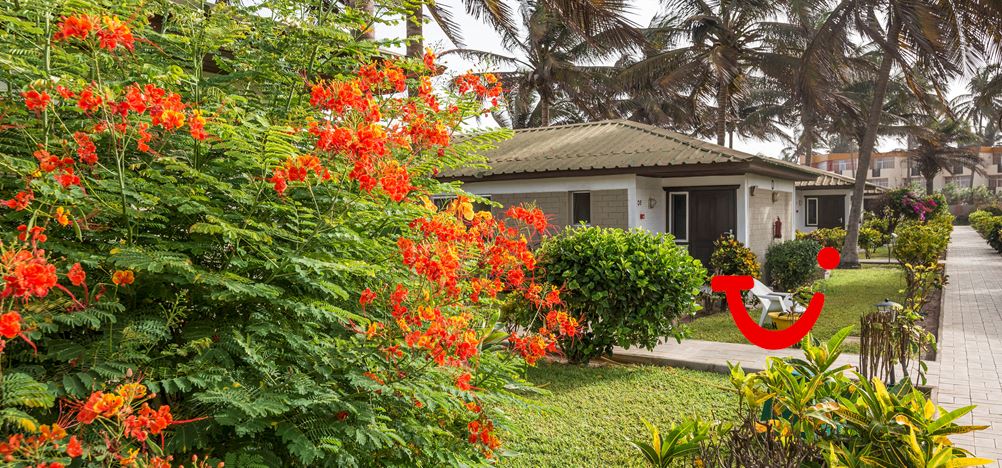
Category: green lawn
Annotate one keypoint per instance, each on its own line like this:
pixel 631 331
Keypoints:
pixel 848 295
pixel 590 413
pixel 881 253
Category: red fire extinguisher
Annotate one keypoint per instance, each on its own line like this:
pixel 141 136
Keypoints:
pixel 777 229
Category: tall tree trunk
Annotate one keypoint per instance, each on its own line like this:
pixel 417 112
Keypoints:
pixel 544 111
pixel 929 188
pixel 369 7
pixel 850 250
pixel 722 106
pixel 415 29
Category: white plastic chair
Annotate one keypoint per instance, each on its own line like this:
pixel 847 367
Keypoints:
pixel 772 300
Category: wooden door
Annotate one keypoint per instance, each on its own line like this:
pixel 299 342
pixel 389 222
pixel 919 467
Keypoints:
pixel 831 211
pixel 712 212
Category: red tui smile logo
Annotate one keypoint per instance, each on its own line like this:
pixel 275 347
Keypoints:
pixel 733 286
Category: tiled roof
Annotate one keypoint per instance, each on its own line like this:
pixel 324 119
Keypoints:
pixel 830 180
pixel 616 146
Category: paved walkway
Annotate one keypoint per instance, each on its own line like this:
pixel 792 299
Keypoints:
pixel 969 367
pixel 711 355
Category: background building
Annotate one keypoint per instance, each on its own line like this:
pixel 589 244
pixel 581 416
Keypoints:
pixel 894 169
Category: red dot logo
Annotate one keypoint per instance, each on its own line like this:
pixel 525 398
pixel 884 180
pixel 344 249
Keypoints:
pixel 828 258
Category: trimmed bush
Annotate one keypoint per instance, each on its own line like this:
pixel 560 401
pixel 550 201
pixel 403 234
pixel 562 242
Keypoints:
pixel 921 243
pixel 827 237
pixel 870 239
pixel 985 222
pixel 731 257
pixel 792 264
pixel 626 288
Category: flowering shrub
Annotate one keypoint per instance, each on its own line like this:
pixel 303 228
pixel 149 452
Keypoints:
pixel 731 257
pixel 827 237
pixel 905 204
pixel 656 284
pixel 236 207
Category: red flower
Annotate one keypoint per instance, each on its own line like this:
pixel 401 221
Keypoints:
pixel 10 324
pixel 123 277
pixel 367 297
pixel 395 181
pixel 86 150
pixel 463 382
pixel 77 275
pixel 78 26
pixel 73 448
pixel 28 276
pixel 196 125
pixel 20 201
pixel 144 138
pixel 114 33
pixel 35 100
pixel 87 101
pixel 429 59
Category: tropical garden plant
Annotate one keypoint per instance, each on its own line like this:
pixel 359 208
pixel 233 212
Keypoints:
pixel 656 284
pixel 792 264
pixel 731 257
pixel 220 241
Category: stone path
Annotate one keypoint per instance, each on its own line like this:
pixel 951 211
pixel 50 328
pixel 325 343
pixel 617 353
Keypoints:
pixel 969 367
pixel 711 355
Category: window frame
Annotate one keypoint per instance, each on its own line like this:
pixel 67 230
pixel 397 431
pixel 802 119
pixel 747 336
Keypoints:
pixel 671 215
pixel 573 222
pixel 807 211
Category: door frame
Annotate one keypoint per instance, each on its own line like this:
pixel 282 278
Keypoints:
pixel 697 188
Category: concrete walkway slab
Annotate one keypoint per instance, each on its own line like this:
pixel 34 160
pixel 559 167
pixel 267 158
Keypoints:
pixel 969 367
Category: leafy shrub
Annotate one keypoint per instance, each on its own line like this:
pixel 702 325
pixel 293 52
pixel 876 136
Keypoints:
pixel 827 237
pixel 995 238
pixel 791 264
pixel 871 239
pixel 810 412
pixel 921 243
pixel 253 243
pixel 984 222
pixel 626 288
pixel 731 257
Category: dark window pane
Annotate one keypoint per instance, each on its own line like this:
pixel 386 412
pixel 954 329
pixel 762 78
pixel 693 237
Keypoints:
pixel 679 210
pixel 581 206
pixel 812 212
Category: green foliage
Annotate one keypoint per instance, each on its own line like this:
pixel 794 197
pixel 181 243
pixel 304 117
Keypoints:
pixel 731 257
pixel 677 442
pixel 827 237
pixel 871 239
pixel 244 313
pixel 627 288
pixel 922 243
pixel 791 264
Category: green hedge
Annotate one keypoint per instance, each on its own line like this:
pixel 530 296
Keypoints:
pixel 923 243
pixel 988 223
pixel 792 264
pixel 627 288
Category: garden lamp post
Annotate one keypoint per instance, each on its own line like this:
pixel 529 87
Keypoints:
pixel 888 307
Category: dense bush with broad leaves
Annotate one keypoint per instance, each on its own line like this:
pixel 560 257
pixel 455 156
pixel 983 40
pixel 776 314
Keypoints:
pixel 792 264
pixel 625 288
pixel 731 257
pixel 218 239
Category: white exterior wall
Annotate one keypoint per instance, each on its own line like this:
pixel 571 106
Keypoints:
pixel 801 213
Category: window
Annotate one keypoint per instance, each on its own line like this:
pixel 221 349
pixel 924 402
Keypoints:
pixel 915 171
pixel 880 182
pixel 957 169
pixel 839 166
pixel 960 181
pixel 678 216
pixel 580 208
pixel 995 183
pixel 811 212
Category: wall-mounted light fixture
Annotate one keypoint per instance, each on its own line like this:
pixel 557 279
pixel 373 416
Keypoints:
pixel 652 202
pixel 751 190
pixel 775 196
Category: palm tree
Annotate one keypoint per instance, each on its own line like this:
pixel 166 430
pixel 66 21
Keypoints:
pixel 938 36
pixel 554 68
pixel 708 49
pixel 934 153
pixel 981 106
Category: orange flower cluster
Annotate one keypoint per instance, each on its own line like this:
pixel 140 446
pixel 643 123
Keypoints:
pixel 49 437
pixel 482 433
pixel 110 31
pixel 487 86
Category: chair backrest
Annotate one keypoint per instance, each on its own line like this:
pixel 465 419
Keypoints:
pixel 760 289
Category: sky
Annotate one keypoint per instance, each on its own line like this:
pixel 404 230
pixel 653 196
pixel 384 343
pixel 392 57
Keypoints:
pixel 478 35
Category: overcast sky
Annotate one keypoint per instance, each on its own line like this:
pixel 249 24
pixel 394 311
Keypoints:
pixel 477 35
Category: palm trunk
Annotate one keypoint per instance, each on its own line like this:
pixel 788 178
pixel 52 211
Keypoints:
pixel 414 31
pixel 850 250
pixel 544 112
pixel 722 106
pixel 929 185
pixel 369 7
